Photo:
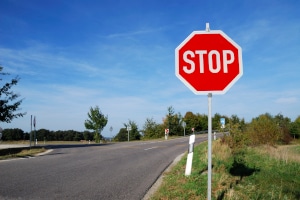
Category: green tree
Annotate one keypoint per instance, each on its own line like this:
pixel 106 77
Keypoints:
pixel 284 124
pixel 12 134
pixel 202 124
pixel 88 135
pixel 9 103
pixel 96 121
pixel 216 124
pixel 122 135
pixel 235 123
pixel 264 130
pixel 191 121
pixel 152 129
pixel 172 122
pixel 295 128
pixel 43 134
pixel 134 133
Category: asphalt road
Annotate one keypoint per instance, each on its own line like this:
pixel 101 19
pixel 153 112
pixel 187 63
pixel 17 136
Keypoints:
pixel 108 171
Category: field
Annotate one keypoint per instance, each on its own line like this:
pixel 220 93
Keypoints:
pixel 262 172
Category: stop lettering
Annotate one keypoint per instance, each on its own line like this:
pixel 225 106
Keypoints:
pixel 213 57
pixel 208 62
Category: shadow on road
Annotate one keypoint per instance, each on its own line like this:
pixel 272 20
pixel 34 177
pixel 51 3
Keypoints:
pixel 63 146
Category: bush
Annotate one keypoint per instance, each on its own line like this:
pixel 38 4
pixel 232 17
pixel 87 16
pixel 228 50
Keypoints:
pixel 264 130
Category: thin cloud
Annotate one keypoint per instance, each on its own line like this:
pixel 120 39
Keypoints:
pixel 287 100
pixel 136 33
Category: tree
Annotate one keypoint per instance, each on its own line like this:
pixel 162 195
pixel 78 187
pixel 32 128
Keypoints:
pixel 236 123
pixel 284 124
pixel 87 135
pixel 43 134
pixel 152 129
pixel 264 130
pixel 9 103
pixel 172 122
pixel 202 122
pixel 295 128
pixel 191 122
pixel 134 133
pixel 13 134
pixel 122 135
pixel 216 124
pixel 96 121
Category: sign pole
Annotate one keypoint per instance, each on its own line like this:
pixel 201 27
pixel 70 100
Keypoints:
pixel 30 137
pixel 209 138
pixel 183 125
pixel 209 148
pixel 128 129
pixel 35 140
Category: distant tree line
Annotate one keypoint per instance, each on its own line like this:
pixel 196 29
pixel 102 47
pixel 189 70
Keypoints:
pixel 44 134
pixel 264 129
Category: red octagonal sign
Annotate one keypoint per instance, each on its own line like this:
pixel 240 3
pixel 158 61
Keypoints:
pixel 208 62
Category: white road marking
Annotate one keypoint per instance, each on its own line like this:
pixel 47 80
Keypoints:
pixel 150 148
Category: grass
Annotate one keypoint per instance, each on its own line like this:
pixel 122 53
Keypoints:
pixel 255 173
pixel 10 153
pixel 20 152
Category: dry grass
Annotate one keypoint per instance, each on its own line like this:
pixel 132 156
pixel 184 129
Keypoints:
pixel 286 153
pixel 21 153
pixel 30 152
pixel 221 151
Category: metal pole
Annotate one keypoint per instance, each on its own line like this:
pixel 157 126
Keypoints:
pixel 209 138
pixel 30 137
pixel 128 129
pixel 209 148
pixel 34 122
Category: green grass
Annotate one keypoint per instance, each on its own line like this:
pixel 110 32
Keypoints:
pixel 255 173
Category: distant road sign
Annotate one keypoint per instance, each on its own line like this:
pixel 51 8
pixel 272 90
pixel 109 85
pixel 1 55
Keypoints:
pixel 222 121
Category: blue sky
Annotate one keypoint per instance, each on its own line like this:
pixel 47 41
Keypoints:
pixel 119 55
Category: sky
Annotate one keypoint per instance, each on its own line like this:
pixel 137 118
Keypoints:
pixel 120 55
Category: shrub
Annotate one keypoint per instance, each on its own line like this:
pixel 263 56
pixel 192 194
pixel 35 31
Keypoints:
pixel 264 130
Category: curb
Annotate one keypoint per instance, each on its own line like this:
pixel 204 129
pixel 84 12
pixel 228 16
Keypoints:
pixel 43 153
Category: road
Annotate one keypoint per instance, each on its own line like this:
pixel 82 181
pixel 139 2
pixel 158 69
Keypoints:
pixel 109 171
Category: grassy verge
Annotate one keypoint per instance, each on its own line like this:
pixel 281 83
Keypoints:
pixel 264 173
pixel 20 152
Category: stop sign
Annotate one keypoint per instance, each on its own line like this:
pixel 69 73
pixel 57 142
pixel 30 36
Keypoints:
pixel 208 62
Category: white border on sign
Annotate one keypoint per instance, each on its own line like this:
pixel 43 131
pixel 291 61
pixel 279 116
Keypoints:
pixel 214 91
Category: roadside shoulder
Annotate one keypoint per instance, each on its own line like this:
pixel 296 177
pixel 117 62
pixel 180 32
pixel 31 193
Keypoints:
pixel 159 181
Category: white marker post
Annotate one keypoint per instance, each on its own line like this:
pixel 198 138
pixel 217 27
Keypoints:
pixel 189 161
pixel 166 133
